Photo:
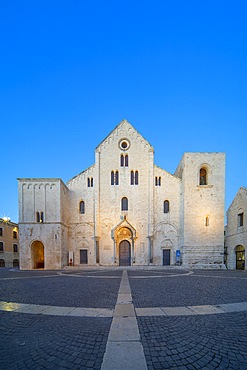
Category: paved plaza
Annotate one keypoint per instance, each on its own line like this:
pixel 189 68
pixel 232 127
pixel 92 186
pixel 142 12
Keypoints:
pixel 123 318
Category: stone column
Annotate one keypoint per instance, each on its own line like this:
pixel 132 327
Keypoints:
pixel 150 249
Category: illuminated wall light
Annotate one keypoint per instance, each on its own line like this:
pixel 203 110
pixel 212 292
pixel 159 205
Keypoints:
pixel 6 219
pixel 206 221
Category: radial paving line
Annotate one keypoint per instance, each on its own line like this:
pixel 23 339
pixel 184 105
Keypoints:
pixel 124 309
pixel 162 276
pixel 192 310
pixel 55 310
pixel 124 349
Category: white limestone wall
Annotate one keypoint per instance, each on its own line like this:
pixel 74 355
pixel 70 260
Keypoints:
pixel 50 236
pixel 203 244
pixel 42 195
pixel 66 230
pixel 64 207
pixel 167 228
pixel 236 235
pixel 140 198
pixel 82 226
pixel 39 195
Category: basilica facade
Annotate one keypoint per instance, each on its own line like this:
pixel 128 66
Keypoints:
pixel 124 210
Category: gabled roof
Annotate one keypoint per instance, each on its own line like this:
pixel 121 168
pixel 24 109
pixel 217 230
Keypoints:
pixel 241 190
pixel 121 224
pixel 126 123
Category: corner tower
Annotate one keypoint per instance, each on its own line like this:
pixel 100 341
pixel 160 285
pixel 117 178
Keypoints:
pixel 202 208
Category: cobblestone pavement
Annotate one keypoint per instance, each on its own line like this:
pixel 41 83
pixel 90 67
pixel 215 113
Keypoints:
pixel 195 342
pixel 36 341
pixel 199 288
pixel 47 342
pixel 76 290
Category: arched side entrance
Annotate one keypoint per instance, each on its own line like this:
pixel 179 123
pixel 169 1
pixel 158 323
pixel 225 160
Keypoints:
pixel 15 263
pixel 240 257
pixel 2 263
pixel 124 253
pixel 38 260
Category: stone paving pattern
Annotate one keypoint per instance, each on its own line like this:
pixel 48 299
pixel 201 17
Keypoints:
pixel 216 341
pixel 203 288
pixel 200 342
pixel 45 342
pixel 62 291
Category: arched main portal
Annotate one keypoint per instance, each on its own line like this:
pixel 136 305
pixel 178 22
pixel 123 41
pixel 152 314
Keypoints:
pixel 38 260
pixel 240 257
pixel 124 253
pixel 124 236
pixel 124 242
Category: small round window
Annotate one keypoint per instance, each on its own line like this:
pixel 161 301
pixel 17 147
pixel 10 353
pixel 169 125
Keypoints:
pixel 124 144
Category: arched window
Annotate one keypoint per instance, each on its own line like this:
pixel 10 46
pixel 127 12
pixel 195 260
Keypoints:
pixel 157 181
pixel 122 160
pixel 136 178
pixel 82 207
pixel 132 177
pixel 203 176
pixel 240 219
pixel 90 182
pixel 116 178
pixel 40 217
pixel 166 206
pixel 124 204
pixel 112 177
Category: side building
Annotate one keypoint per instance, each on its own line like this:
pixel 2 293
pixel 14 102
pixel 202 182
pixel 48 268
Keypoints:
pixel 125 210
pixel 9 243
pixel 236 231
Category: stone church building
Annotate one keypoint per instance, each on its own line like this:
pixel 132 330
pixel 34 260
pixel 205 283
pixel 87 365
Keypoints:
pixel 236 232
pixel 124 210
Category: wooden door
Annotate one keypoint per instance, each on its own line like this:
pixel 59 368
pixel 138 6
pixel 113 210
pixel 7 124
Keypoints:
pixel 124 253
pixel 166 257
pixel 83 256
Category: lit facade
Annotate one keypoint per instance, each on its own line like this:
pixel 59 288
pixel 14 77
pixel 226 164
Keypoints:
pixel 125 210
pixel 236 232
pixel 9 243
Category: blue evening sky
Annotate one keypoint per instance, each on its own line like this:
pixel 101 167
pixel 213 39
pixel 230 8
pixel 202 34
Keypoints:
pixel 70 71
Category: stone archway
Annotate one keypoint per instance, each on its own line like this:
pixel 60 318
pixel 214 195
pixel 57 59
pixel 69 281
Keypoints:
pixel 16 263
pixel 124 232
pixel 2 263
pixel 124 241
pixel 38 258
pixel 240 257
